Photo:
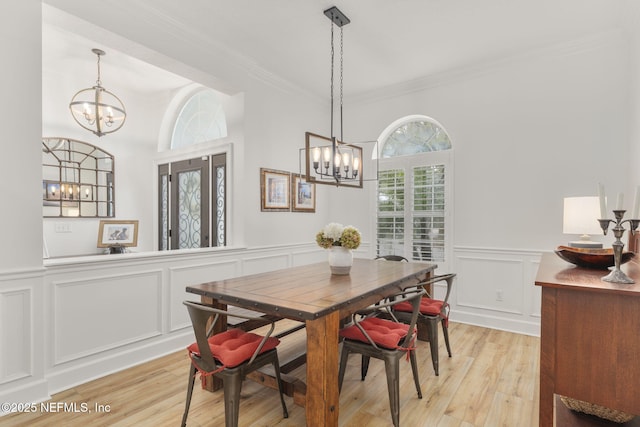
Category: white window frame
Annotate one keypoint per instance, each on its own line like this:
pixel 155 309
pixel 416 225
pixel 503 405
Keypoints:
pixel 407 163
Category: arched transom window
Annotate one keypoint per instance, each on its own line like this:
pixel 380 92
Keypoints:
pixel 201 119
pixel 415 136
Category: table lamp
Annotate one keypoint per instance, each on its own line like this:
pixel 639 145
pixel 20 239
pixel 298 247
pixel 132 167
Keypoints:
pixel 581 217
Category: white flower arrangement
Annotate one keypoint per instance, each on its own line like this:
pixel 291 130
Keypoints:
pixel 334 234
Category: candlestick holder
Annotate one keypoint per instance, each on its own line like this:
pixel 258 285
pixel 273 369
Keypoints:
pixel 616 275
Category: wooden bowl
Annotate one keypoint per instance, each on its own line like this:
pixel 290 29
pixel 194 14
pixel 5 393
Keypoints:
pixel 591 258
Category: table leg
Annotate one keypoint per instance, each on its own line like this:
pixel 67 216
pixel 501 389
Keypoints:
pixel 322 371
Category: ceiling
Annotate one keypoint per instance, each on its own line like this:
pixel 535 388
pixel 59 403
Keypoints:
pixel 386 44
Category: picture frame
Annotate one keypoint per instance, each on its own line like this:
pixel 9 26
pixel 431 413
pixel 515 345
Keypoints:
pixel 303 194
pixel 275 193
pixel 117 233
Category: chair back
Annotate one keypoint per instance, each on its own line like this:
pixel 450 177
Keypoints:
pixel 200 315
pixel 392 258
pixel 440 278
pixel 449 279
pixel 413 296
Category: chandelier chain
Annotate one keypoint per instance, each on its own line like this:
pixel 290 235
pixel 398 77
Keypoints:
pixel 341 80
pixel 332 90
pixel 98 82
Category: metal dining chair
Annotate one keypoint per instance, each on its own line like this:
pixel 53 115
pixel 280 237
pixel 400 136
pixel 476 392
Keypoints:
pixel 229 355
pixel 385 339
pixel 432 312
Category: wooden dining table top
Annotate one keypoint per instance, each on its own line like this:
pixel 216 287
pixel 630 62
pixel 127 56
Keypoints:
pixel 310 291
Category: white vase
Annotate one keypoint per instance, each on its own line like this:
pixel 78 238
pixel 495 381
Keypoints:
pixel 340 260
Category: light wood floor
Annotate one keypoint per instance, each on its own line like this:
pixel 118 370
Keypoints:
pixel 491 380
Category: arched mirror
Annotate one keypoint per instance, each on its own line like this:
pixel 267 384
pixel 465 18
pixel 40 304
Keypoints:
pixel 77 179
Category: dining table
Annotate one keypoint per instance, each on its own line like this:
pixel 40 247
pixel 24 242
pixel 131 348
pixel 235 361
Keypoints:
pixel 320 300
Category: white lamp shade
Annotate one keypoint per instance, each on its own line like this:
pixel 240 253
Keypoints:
pixel 581 215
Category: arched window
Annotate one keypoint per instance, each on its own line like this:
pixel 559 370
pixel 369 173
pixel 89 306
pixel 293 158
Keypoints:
pixel 201 119
pixel 418 135
pixel 414 191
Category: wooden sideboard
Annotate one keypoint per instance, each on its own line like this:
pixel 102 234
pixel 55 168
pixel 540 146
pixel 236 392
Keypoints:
pixel 590 337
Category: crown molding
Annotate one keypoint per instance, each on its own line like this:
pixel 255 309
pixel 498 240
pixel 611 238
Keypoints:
pixel 491 65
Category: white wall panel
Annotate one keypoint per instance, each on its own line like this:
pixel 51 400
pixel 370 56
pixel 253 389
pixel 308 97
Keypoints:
pixel 496 288
pixel 261 264
pixel 489 283
pixel 102 313
pixel 309 257
pixel 192 274
pixel 16 334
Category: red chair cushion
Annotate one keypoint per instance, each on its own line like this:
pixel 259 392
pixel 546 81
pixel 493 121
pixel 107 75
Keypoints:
pixel 384 333
pixel 234 346
pixel 428 307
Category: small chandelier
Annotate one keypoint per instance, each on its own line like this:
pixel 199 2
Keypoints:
pixel 96 109
pixel 330 160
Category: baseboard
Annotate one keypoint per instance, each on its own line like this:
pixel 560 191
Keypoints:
pixel 23 393
pixel 493 322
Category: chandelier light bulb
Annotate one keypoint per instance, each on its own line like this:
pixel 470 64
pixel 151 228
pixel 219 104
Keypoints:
pixel 345 159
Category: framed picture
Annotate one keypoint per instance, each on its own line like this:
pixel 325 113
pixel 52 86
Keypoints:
pixel 274 190
pixel 117 233
pixel 303 194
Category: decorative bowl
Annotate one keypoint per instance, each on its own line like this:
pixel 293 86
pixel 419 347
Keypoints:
pixel 591 258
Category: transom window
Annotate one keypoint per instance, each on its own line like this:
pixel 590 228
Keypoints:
pixel 201 119
pixel 413 191
pixel 419 136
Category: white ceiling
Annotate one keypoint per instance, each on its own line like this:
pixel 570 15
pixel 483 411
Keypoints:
pixel 387 42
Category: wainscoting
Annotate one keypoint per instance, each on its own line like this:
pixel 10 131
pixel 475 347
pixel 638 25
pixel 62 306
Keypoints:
pixel 495 288
pixel 78 319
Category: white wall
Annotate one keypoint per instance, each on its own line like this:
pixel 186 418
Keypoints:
pixel 21 272
pixel 526 131
pixel 21 118
pixel 632 26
